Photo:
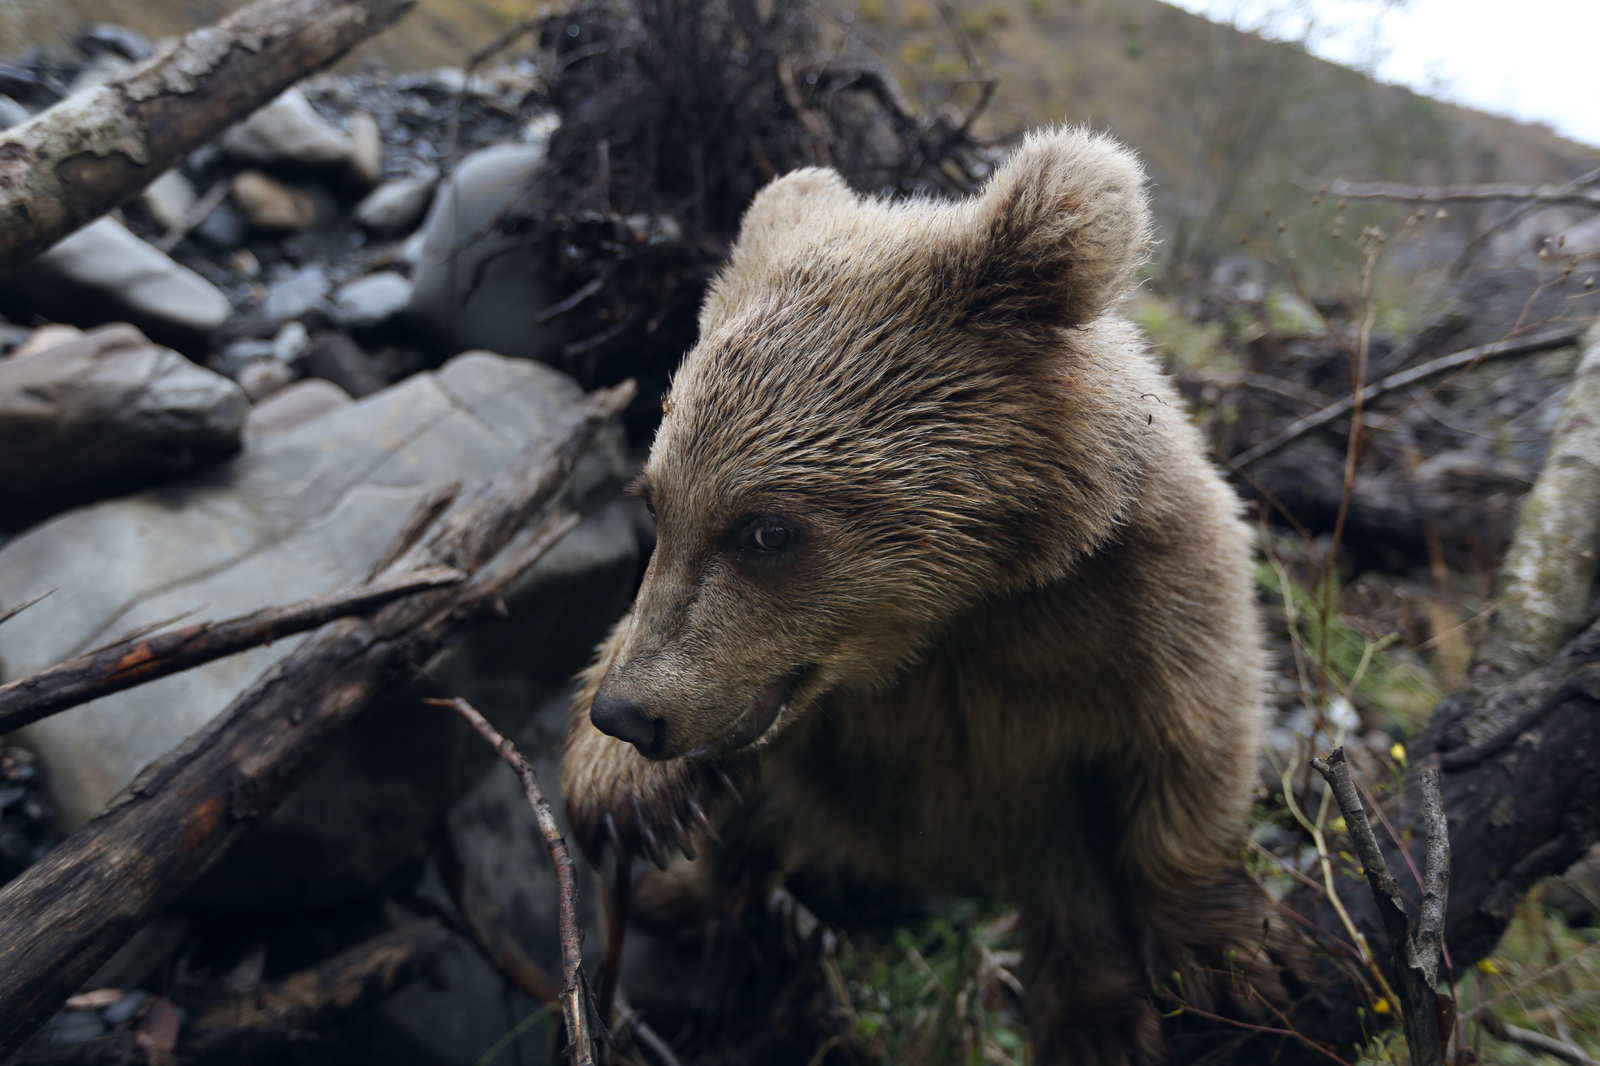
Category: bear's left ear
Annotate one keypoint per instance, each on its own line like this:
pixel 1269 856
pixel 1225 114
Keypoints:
pixel 1056 234
pixel 789 206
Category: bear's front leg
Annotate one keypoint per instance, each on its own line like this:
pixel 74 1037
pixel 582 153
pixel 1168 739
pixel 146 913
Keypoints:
pixel 1086 991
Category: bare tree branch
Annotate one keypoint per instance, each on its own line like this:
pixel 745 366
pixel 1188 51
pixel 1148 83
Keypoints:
pixel 133 662
pixel 1570 193
pixel 1300 427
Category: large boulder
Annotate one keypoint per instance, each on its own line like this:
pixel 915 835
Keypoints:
pixel 480 279
pixel 103 413
pixel 307 510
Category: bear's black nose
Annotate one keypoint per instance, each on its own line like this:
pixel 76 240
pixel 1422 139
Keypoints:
pixel 626 720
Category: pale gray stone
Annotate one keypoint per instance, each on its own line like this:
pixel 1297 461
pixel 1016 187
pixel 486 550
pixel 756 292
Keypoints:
pixel 305 511
pixel 169 199
pixel 11 112
pixel 292 406
pixel 288 341
pixel 372 300
pixel 395 206
pixel 104 271
pixel 296 294
pixel 288 129
pixel 366 149
pixel 260 378
pixel 105 413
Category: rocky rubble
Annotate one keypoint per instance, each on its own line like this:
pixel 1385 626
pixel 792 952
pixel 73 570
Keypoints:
pixel 225 396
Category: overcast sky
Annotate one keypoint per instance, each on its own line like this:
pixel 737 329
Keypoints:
pixel 1533 60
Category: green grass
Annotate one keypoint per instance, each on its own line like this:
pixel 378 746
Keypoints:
pixel 939 993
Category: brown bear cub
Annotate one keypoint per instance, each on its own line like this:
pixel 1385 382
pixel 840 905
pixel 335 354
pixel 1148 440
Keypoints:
pixel 944 577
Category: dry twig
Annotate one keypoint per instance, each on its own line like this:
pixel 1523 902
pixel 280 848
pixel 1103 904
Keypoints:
pixel 575 1006
pixel 1416 948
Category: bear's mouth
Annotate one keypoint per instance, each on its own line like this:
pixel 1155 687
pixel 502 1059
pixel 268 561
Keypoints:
pixel 759 715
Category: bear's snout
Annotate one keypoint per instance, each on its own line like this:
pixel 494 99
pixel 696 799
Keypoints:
pixel 627 721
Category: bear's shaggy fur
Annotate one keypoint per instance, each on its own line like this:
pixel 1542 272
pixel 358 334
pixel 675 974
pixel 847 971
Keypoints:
pixel 940 551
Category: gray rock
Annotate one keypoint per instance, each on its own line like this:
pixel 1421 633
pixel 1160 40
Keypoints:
pixel 479 280
pixel 395 206
pixel 296 294
pixel 260 378
pixel 288 130
pixel 371 301
pixel 12 113
pixel 103 414
pixel 169 199
pixel 225 227
pixel 366 150
pixel 269 204
pixel 293 406
pixel 333 356
pixel 289 341
pixel 103 273
pixel 302 512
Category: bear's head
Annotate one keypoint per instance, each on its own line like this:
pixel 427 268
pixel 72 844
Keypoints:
pixel 893 410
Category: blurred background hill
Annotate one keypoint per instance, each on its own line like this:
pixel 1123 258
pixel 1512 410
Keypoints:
pixel 1230 124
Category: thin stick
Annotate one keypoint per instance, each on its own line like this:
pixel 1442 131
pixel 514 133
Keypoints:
pixel 11 612
pixel 134 662
pixel 1416 956
pixel 1299 428
pixel 573 1008
pixel 616 929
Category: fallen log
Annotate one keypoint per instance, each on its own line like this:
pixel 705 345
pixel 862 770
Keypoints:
pixel 70 911
pixel 72 163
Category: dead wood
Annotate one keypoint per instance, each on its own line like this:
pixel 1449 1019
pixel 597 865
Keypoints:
pixel 1570 193
pixel 1415 945
pixel 1469 357
pixel 316 998
pixel 1518 762
pixel 577 1009
pixel 140 659
pixel 72 163
pixel 70 911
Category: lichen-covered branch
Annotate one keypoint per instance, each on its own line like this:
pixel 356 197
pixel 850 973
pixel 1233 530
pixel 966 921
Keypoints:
pixel 1545 581
pixel 71 164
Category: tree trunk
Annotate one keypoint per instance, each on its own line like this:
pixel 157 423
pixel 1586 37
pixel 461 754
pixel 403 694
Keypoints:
pixel 71 164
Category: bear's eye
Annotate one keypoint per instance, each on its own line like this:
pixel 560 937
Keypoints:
pixel 769 537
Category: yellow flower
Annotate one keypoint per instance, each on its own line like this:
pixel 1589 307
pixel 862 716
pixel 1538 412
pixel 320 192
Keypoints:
pixel 1381 1007
pixel 1487 966
pixel 1398 753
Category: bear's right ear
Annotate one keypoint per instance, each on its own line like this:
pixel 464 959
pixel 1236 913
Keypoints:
pixel 790 205
pixel 1056 234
